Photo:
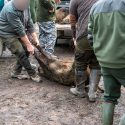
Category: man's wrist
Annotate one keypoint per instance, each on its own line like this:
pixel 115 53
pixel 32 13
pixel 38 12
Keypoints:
pixel 25 40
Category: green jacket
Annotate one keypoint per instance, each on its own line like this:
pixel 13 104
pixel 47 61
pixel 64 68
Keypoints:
pixel 43 14
pixel 107 27
pixel 33 9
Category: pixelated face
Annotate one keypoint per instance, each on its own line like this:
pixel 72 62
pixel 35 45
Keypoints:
pixel 21 4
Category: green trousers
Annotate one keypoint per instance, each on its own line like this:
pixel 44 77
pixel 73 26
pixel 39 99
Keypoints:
pixel 113 80
pixel 84 55
pixel 21 53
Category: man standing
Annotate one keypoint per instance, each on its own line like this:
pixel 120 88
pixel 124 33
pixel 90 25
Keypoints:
pixel 106 27
pixel 46 19
pixel 84 55
pixel 13 27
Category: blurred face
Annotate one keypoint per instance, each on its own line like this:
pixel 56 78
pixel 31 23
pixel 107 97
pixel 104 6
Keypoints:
pixel 21 4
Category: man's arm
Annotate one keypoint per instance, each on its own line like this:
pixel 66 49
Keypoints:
pixel 35 39
pixel 73 16
pixel 90 30
pixel 15 22
pixel 19 29
pixel 27 43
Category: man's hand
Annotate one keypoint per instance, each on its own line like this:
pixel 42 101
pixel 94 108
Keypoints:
pixel 27 43
pixel 30 49
pixel 35 39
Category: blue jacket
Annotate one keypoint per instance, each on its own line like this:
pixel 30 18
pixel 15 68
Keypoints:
pixel 1 4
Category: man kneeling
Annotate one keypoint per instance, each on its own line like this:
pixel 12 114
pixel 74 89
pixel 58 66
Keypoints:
pixel 15 21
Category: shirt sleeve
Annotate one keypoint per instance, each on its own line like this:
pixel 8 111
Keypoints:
pixel 16 24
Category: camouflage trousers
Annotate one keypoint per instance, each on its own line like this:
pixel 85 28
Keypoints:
pixel 20 51
pixel 48 35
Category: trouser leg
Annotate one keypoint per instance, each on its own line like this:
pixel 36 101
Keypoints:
pixel 112 87
pixel 48 35
pixel 112 93
pixel 82 54
pixel 84 57
pixel 18 67
pixel 81 63
pixel 23 60
pixel 108 105
pixel 16 48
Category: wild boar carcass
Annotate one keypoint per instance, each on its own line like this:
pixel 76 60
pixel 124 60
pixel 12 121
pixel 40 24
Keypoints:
pixel 61 71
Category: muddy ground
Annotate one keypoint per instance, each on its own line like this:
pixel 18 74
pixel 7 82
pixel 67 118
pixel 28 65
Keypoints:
pixel 47 103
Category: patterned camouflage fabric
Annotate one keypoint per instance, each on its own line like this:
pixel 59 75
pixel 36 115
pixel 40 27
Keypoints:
pixel 48 35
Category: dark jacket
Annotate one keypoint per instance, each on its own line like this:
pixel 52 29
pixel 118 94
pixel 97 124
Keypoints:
pixel 43 14
pixel 12 22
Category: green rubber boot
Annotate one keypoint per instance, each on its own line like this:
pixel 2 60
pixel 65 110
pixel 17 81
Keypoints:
pixel 122 122
pixel 95 76
pixel 108 113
